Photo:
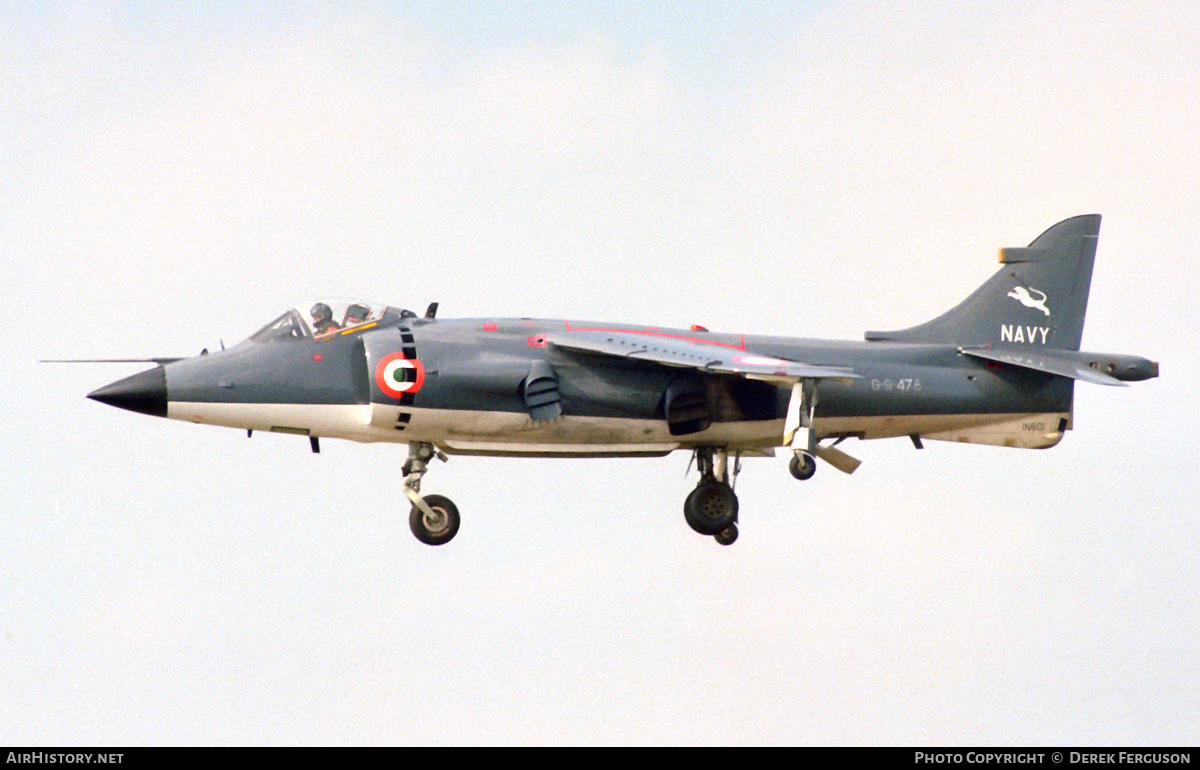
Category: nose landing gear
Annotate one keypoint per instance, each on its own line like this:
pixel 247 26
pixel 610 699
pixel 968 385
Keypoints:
pixel 712 507
pixel 433 519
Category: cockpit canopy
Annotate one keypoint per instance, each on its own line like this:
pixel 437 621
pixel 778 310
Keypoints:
pixel 325 319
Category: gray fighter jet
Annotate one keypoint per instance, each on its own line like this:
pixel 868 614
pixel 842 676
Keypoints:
pixel 999 369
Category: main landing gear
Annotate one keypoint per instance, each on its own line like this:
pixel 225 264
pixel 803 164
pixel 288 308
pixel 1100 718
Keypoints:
pixel 712 507
pixel 433 519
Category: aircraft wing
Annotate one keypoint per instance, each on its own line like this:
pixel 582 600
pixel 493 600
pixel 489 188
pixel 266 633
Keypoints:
pixel 694 353
pixel 1064 364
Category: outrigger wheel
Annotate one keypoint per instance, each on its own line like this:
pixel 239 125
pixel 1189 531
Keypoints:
pixel 802 465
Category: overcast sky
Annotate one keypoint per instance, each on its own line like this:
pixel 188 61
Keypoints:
pixel 175 176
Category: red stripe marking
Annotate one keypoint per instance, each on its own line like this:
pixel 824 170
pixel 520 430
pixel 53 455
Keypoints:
pixel 653 331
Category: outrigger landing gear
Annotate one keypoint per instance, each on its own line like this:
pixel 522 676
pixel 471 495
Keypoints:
pixel 433 519
pixel 712 507
pixel 803 465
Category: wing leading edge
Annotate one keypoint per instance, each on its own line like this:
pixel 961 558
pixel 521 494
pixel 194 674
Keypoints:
pixel 695 354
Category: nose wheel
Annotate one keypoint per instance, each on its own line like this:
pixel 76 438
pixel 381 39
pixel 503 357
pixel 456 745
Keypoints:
pixel 433 519
pixel 435 523
pixel 712 507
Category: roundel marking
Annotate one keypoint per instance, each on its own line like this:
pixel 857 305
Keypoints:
pixel 396 375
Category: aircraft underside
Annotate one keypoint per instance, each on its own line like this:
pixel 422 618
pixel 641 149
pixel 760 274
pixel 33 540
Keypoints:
pixel 516 434
pixel 711 509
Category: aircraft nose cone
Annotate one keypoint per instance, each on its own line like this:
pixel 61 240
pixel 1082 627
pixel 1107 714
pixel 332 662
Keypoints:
pixel 144 392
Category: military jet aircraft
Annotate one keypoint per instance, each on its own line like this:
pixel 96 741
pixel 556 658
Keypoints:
pixel 999 369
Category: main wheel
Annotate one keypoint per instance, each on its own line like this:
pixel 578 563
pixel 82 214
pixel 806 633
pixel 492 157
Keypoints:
pixel 711 507
pixel 803 469
pixel 438 528
pixel 727 536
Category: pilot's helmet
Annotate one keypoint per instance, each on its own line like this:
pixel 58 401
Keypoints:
pixel 320 313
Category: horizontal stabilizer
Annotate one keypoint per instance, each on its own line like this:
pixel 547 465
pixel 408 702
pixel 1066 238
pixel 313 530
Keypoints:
pixel 1063 363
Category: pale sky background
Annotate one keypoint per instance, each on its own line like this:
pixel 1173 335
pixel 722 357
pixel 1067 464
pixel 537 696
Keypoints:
pixel 178 174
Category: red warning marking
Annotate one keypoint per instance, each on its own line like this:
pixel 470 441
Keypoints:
pixel 655 332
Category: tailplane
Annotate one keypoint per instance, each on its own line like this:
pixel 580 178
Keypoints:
pixel 1036 300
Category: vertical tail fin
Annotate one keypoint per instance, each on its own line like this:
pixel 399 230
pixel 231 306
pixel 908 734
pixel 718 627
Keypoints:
pixel 1038 298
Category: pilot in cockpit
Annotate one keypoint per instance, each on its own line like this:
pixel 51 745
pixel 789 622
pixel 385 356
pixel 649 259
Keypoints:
pixel 322 316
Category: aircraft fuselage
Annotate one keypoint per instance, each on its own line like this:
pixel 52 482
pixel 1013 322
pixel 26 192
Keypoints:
pixel 470 397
